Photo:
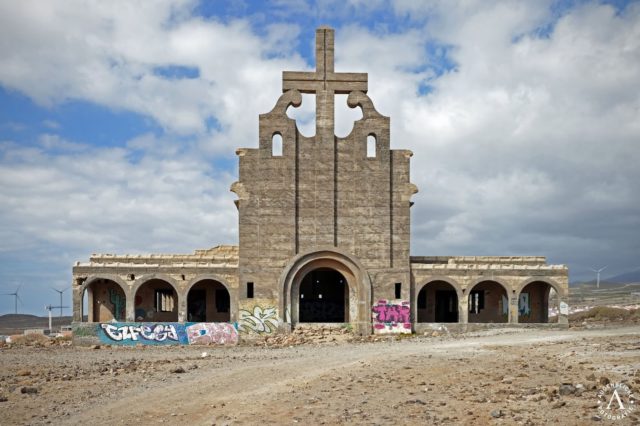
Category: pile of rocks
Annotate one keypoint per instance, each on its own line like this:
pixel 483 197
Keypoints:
pixel 308 335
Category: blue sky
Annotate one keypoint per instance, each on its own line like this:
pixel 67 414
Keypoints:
pixel 119 123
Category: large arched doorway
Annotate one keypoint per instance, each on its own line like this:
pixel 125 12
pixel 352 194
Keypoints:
pixel 156 301
pixel 488 303
pixel 438 302
pixel 208 301
pixel 357 296
pixel 533 302
pixel 104 300
pixel 324 297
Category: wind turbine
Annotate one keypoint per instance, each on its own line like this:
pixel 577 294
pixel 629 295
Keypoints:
pixel 49 308
pixel 60 291
pixel 16 297
pixel 597 271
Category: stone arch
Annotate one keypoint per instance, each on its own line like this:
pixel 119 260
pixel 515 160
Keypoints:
pixel 490 311
pixel 549 281
pixel 99 303
pixel 432 280
pixel 141 308
pixel 357 278
pixel 233 296
pixel 535 309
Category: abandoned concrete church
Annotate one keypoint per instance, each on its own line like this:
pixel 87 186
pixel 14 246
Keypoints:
pixel 325 229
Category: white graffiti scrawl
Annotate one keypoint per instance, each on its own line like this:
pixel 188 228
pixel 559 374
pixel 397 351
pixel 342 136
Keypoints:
pixel 156 333
pixel 260 320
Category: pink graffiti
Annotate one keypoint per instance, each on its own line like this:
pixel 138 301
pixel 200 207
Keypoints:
pixel 208 333
pixel 391 313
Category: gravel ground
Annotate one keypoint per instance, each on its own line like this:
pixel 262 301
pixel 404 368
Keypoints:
pixel 520 376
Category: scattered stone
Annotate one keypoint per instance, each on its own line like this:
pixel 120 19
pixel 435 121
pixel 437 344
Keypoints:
pixel 496 414
pixel 591 377
pixel 3 398
pixel 95 346
pixel 29 390
pixel 559 404
pixel 566 389
pixel 604 381
pixel 177 370
pixel 596 418
pixel 23 373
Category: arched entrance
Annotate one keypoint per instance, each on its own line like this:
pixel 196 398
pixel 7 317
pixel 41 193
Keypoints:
pixel 156 300
pixel 331 265
pixel 437 302
pixel 208 301
pixel 533 302
pixel 324 297
pixel 488 303
pixel 105 301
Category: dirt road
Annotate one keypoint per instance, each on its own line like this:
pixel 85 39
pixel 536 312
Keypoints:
pixel 509 376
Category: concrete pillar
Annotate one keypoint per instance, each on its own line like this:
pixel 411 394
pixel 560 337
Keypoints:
pixel 513 309
pixel 130 309
pixel 182 305
pixel 563 310
pixel 77 301
pixel 463 309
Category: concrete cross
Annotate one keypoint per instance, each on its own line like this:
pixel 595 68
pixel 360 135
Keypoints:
pixel 324 78
pixel 325 83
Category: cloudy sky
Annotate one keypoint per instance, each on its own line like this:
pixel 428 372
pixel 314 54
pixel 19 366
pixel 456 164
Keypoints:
pixel 119 122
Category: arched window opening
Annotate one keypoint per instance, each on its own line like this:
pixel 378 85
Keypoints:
pixel 276 145
pixel 371 146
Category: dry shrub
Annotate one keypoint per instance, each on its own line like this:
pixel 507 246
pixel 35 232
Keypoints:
pixel 601 313
pixel 29 339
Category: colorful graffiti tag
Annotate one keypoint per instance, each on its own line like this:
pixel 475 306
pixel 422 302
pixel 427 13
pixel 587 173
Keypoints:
pixel 207 333
pixel 260 320
pixel 391 316
pixel 120 333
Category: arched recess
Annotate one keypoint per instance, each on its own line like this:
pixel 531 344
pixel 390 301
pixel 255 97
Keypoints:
pixel 211 293
pixel 155 299
pixel 357 280
pixel 437 300
pixel 107 297
pixel 488 302
pixel 534 300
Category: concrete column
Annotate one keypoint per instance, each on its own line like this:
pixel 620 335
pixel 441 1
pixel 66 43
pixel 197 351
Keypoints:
pixel 77 301
pixel 130 311
pixel 90 314
pixel 563 318
pixel 513 309
pixel 463 309
pixel 182 305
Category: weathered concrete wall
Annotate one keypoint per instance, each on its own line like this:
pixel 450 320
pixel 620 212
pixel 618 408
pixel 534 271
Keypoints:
pixel 324 192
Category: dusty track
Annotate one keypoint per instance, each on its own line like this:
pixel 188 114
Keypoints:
pixel 425 380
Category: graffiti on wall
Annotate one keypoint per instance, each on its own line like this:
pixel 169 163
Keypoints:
pixel 391 316
pixel 119 304
pixel 172 333
pixel 524 305
pixel 258 320
pixel 207 333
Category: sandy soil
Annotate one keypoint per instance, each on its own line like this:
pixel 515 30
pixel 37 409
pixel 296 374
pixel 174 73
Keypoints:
pixel 497 377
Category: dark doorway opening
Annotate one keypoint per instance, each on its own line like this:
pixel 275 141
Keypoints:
pixel 208 301
pixel 324 297
pixel 197 306
pixel 437 302
pixel 446 306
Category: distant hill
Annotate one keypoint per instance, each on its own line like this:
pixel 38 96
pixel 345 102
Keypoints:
pixel 17 323
pixel 632 277
pixel 627 277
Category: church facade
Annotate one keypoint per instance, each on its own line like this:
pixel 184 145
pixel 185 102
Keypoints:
pixel 325 228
